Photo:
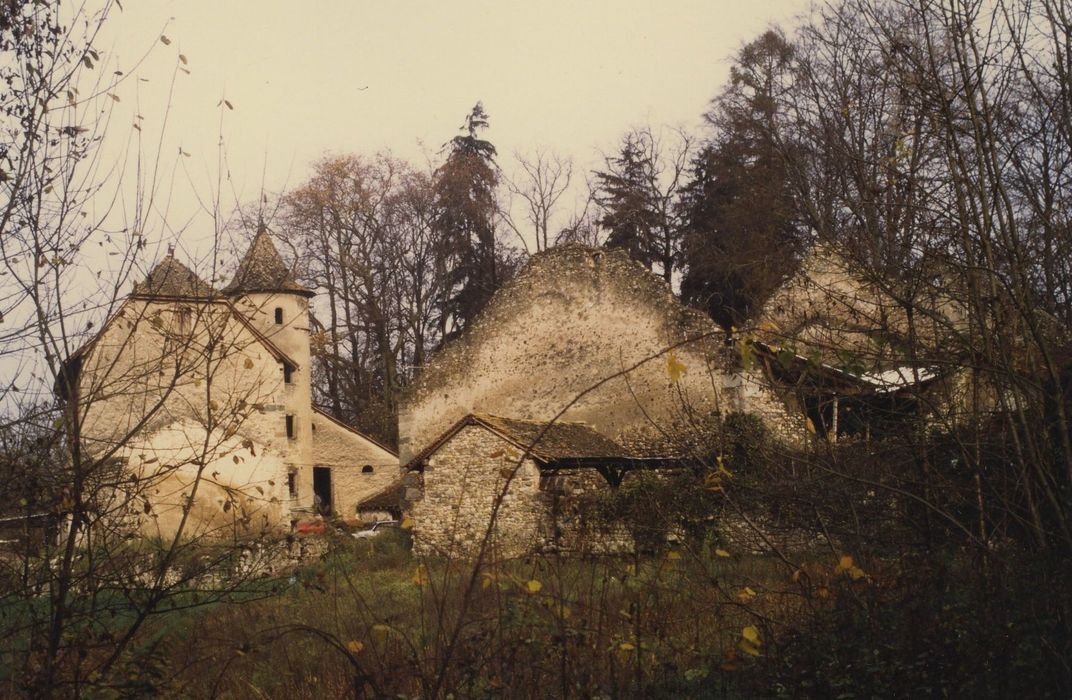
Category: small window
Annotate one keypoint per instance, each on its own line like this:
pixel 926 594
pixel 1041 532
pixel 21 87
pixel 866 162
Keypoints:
pixel 292 484
pixel 279 315
pixel 290 427
pixel 367 469
pixel 183 320
pixel 288 374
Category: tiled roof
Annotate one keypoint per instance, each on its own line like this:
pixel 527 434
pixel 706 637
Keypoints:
pixel 263 270
pixel 559 441
pixel 388 499
pixel 170 278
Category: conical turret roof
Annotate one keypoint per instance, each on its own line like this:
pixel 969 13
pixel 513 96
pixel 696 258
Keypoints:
pixel 170 278
pixel 263 270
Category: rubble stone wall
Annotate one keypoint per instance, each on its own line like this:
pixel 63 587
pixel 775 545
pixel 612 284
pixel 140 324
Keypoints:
pixel 462 482
pixel 555 336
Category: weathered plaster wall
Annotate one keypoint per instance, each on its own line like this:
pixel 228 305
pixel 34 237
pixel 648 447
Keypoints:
pixel 292 337
pixel 172 385
pixel 168 464
pixel 462 480
pixel 571 319
pixel 347 453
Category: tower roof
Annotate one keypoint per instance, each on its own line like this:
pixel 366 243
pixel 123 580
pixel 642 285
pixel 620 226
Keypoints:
pixel 170 278
pixel 263 270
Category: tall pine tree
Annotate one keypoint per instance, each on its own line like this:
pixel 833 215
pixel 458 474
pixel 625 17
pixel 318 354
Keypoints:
pixel 638 194
pixel 625 197
pixel 465 223
pixel 741 236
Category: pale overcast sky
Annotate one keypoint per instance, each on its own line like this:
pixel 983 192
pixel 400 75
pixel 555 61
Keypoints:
pixel 307 78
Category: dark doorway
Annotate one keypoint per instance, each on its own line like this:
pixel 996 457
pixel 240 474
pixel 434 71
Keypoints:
pixel 322 490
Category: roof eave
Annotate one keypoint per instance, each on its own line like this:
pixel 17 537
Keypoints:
pixel 234 292
pixel 336 421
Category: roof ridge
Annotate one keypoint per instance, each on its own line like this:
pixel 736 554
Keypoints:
pixel 551 445
pixel 171 278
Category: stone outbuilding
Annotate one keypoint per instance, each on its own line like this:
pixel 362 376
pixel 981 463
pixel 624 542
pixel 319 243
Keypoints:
pixel 198 396
pixel 531 474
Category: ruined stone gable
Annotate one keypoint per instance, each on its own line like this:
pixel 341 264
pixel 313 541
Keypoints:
pixel 552 340
pixel 834 311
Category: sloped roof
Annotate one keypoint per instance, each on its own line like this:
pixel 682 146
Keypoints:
pixel 887 381
pixel 559 442
pixel 349 428
pixel 389 498
pixel 263 270
pixel 170 278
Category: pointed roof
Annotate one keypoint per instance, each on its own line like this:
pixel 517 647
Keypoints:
pixel 170 278
pixel 263 270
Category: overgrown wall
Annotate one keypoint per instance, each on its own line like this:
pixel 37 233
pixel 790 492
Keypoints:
pixel 570 320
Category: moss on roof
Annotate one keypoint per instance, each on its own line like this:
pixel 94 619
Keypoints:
pixel 559 441
pixel 170 278
pixel 262 270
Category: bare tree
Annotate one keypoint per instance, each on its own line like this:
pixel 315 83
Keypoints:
pixel 366 225
pixel 540 182
pixel 118 521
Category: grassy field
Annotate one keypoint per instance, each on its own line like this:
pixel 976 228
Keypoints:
pixel 368 620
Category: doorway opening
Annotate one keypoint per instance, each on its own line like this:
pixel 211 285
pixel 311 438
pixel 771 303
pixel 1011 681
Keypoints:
pixel 322 490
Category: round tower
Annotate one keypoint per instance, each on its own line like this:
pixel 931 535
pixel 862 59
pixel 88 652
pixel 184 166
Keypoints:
pixel 265 292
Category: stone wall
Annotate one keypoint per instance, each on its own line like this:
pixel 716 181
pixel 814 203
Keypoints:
pixel 461 483
pixel 827 309
pixel 570 526
pixel 570 320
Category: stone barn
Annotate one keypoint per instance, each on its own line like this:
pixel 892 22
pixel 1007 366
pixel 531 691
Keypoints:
pixel 465 474
pixel 590 338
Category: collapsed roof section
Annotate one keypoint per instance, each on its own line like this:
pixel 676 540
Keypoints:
pixel 802 369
